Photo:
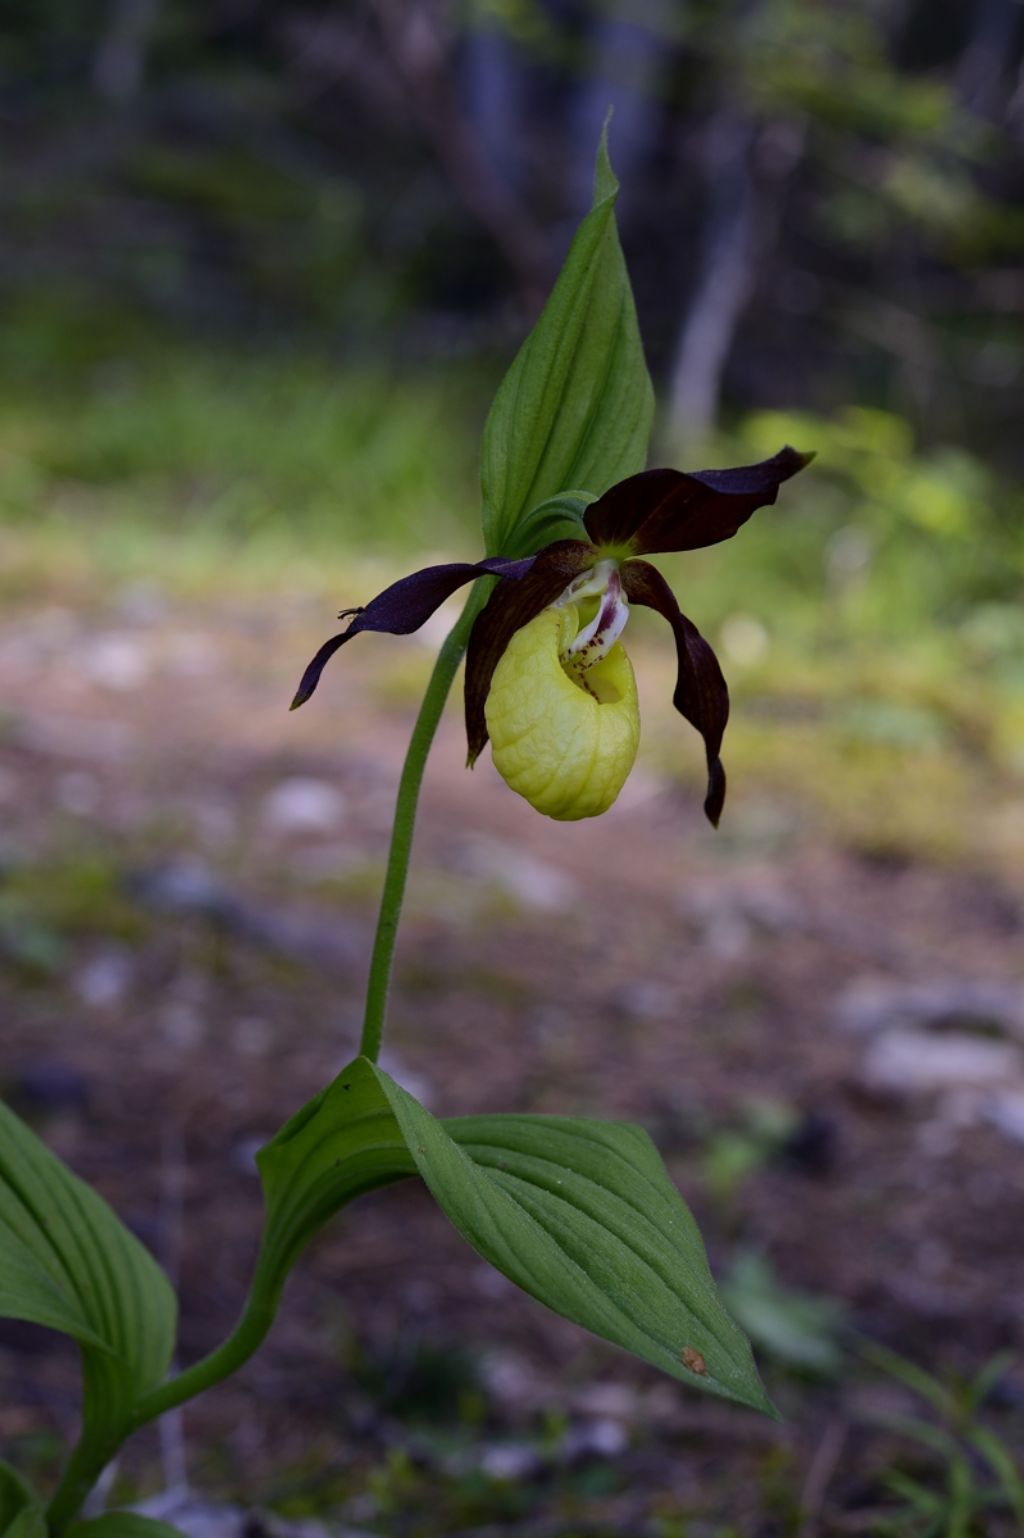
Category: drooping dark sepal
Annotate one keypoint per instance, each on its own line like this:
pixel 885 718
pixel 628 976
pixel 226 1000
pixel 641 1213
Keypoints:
pixel 405 606
pixel 663 510
pixel 510 606
pixel 701 693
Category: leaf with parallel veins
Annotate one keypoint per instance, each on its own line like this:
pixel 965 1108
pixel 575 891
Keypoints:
pixel 580 1214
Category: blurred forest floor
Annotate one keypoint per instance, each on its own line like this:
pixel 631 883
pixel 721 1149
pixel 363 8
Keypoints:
pixel 818 1013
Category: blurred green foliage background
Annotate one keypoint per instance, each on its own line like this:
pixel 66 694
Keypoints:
pixel 262 266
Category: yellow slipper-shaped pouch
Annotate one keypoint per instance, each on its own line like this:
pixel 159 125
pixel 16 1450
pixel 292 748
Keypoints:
pixel 564 739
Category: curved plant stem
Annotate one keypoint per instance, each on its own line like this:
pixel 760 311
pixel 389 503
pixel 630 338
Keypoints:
pixel 445 669
pixel 247 1336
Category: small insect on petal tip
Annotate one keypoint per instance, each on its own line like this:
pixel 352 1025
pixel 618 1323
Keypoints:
pixel 693 1359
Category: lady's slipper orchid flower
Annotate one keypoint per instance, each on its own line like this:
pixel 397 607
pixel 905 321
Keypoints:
pixel 547 678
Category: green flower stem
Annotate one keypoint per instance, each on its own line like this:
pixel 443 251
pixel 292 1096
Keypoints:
pixel 445 669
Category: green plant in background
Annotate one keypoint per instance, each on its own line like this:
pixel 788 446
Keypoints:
pixel 969 1472
pixel 798 1330
pixel 580 1214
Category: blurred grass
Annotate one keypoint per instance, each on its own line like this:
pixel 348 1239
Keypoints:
pixel 115 445
pixel 871 624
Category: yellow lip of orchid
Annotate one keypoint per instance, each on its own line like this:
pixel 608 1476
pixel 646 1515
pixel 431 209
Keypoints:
pixel 563 738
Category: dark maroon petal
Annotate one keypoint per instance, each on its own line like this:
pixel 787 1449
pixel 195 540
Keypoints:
pixel 662 510
pixel 701 694
pixel 405 606
pixel 311 677
pixel 510 606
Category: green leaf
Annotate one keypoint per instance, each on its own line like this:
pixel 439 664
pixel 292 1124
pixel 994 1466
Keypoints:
pixel 21 1510
pixel 798 1329
pixel 582 1215
pixel 916 1378
pixel 28 1291
pixel 1004 1465
pixel 67 1261
pixel 123 1524
pixel 344 1142
pixel 979 1388
pixel 559 517
pixel 576 406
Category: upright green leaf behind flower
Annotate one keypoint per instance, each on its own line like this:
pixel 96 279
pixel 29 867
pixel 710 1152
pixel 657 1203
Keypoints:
pixel 575 408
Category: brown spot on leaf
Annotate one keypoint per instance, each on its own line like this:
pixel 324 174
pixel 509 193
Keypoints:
pixel 693 1359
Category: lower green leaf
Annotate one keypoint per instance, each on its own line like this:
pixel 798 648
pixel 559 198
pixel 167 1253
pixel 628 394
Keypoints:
pixel 580 1214
pixel 29 1292
pixel 67 1261
pixel 124 1524
pixel 21 1510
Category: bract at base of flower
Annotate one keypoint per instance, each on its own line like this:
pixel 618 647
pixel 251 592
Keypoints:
pixel 565 747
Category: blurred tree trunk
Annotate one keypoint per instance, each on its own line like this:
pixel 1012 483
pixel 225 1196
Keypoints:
pixel 627 57
pixel 724 282
pixel 745 166
pixel 420 48
pixel 120 61
pixel 988 57
pixel 492 74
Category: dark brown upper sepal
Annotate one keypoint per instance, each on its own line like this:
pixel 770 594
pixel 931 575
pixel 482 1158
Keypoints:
pixel 664 510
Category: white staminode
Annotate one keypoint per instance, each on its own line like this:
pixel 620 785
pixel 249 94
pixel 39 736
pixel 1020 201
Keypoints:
pixel 597 638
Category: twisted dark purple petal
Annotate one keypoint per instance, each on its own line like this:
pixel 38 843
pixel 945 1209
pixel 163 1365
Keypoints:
pixel 701 693
pixel 406 605
pixel 509 607
pixel 662 510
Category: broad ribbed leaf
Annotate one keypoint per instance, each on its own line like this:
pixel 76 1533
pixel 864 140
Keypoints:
pixel 582 1215
pixel 124 1524
pixel 21 1511
pixel 29 1292
pixel 67 1261
pixel 575 408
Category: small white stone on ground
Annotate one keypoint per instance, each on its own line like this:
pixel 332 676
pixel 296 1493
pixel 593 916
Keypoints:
pixel 105 978
pixel 919 1062
pixel 533 882
pixel 873 1003
pixel 303 805
pixel 1005 1110
pixel 114 662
